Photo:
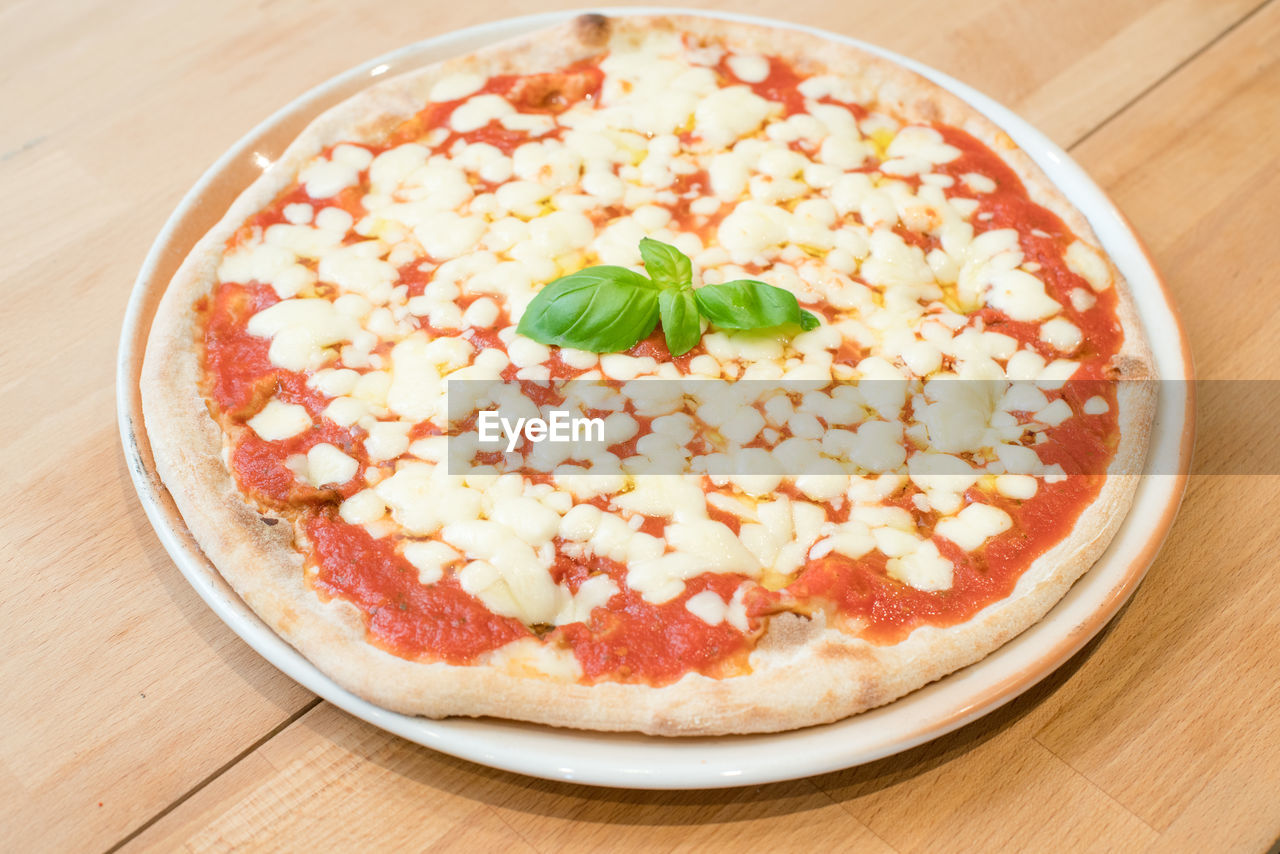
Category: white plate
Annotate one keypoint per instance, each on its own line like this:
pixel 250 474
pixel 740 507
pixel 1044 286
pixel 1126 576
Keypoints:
pixel 648 762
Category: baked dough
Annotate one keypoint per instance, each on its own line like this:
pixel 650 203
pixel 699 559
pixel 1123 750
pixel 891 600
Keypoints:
pixel 804 671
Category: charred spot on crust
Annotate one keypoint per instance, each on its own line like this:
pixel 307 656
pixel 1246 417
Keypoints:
pixel 288 619
pixel 551 92
pixel 269 520
pixel 845 652
pixel 788 630
pixel 928 109
pixel 1126 367
pixel 592 29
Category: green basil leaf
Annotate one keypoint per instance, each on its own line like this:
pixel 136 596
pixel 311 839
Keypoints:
pixel 607 309
pixel 600 309
pixel 680 323
pixel 665 264
pixel 748 304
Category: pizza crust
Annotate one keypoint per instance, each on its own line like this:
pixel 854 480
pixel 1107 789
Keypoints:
pixel 804 672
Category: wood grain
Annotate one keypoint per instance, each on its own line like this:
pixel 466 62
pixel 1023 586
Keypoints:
pixel 123 689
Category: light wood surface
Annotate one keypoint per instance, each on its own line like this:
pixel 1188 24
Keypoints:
pixel 130 715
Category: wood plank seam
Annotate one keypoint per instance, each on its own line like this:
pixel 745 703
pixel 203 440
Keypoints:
pixel 1092 785
pixel 809 781
pixel 1156 84
pixel 218 772
pixel 498 815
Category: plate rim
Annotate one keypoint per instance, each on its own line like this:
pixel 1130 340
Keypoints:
pixel 652 763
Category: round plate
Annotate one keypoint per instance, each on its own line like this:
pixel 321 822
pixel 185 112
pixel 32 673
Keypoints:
pixel 648 762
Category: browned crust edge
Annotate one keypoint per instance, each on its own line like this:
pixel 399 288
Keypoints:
pixel 805 673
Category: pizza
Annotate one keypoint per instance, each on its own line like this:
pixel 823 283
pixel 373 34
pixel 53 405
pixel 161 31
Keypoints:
pixel 767 205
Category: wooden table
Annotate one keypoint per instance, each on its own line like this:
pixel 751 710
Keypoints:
pixel 131 717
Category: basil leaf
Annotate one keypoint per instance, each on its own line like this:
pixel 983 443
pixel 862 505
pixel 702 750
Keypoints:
pixel 748 304
pixel 599 309
pixel 608 309
pixel 665 264
pixel 680 324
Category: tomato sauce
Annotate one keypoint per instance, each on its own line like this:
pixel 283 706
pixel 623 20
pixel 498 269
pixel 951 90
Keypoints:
pixel 1044 239
pixel 437 622
pixel 236 363
pixel 888 610
pixel 632 640
pixel 780 85
pixel 548 94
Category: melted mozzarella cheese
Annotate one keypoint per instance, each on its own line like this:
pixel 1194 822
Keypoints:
pixel 584 187
pixel 1085 262
pixel 327 465
pixel 974 525
pixel 924 568
pixel 278 420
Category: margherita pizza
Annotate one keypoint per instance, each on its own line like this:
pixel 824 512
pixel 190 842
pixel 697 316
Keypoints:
pixel 819 214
